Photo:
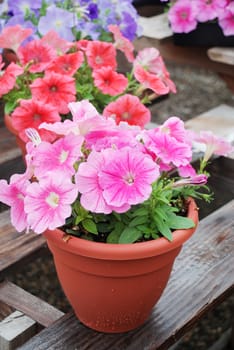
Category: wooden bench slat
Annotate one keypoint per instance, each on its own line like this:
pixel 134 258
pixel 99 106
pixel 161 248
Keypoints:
pixel 37 309
pixel 10 155
pixel 221 54
pixel 14 247
pixel 8 146
pixel 202 276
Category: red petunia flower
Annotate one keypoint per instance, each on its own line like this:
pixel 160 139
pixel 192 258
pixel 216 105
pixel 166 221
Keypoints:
pixel 67 64
pixel 30 114
pixel 122 43
pixel 128 108
pixel 100 54
pixel 109 81
pixel 59 44
pixel 38 53
pixel 12 37
pixel 55 89
pixel 8 76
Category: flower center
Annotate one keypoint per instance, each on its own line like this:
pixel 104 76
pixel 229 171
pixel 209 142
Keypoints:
pixel 36 117
pixel 20 196
pixel 183 15
pixel 165 130
pixel 98 60
pixel 52 199
pixel 63 156
pixel 58 24
pixel 129 179
pixel 53 88
pixel 125 116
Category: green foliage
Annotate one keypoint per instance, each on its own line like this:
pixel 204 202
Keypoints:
pixel 164 212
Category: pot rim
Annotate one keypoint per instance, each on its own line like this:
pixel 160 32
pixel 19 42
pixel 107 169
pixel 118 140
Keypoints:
pixel 132 251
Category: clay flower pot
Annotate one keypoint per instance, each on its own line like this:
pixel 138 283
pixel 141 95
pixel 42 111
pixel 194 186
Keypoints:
pixel 9 125
pixel 113 287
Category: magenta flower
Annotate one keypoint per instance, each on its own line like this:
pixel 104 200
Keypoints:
pixel 127 177
pixel 87 181
pixel 208 10
pixel 195 180
pixel 226 19
pixel 59 156
pixel 174 127
pixel 14 195
pixel 167 149
pixel 48 203
pixel 182 16
pixel 186 171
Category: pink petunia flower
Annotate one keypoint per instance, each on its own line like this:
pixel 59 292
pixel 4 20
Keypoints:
pixel 226 19
pixel 85 119
pixel 208 10
pixel 182 16
pixel 13 194
pixel 87 181
pixel 8 76
pixel 117 137
pixel 186 171
pixel 109 81
pixel 174 127
pixel 55 89
pixel 127 177
pixel 214 145
pixel 100 54
pixel 37 54
pixel 67 64
pixel 59 156
pixel 128 108
pixel 30 114
pixel 121 43
pixel 48 204
pixel 167 148
pixel 12 37
pixel 81 110
pixel 200 179
pixel 59 44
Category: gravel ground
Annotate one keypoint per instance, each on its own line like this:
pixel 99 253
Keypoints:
pixel 198 91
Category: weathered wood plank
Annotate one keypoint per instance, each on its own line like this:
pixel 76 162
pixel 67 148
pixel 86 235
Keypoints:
pixel 15 330
pixel 8 146
pixel 221 54
pixel 15 247
pixel 30 305
pixel 202 277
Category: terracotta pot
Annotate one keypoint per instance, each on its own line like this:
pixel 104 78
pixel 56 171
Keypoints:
pixel 9 125
pixel 113 287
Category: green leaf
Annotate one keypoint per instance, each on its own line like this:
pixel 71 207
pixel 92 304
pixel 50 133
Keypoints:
pixel 139 220
pixel 164 229
pixel 144 229
pixel 90 226
pixel 140 212
pixel 179 222
pixel 130 235
pixel 114 236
